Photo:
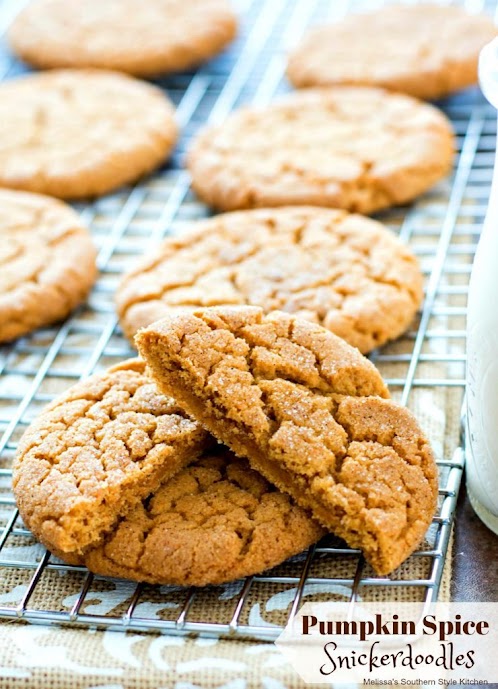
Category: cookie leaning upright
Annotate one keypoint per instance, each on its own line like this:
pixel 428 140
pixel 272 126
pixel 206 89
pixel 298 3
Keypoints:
pixel 311 415
pixel 347 272
pixel 96 452
pixel 426 50
pixel 141 38
pixel 47 262
pixel 81 133
pixel 357 148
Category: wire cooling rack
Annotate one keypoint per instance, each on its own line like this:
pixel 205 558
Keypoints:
pixel 425 369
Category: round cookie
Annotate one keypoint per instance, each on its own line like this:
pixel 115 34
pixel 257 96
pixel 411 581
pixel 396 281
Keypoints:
pixel 47 262
pixel 81 133
pixel 310 414
pixel 361 149
pixel 215 521
pixel 346 272
pixel 96 452
pixel 142 38
pixel 426 50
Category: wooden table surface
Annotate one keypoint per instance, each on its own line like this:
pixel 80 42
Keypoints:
pixel 475 556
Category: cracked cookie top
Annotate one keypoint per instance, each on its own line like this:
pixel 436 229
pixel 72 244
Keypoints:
pixel 141 38
pixel 426 50
pixel 360 149
pixel 346 272
pixel 98 450
pixel 47 262
pixel 215 521
pixel 310 413
pixel 80 133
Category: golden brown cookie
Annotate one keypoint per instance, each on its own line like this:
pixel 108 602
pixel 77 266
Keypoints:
pixel 47 262
pixel 96 452
pixel 426 50
pixel 81 133
pixel 311 415
pixel 361 149
pixel 215 521
pixel 346 272
pixel 142 38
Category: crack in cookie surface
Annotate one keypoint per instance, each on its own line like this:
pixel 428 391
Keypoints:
pixel 215 521
pixel 79 133
pixel 310 413
pixel 179 34
pixel 357 148
pixel 346 272
pixel 97 451
pixel 425 50
pixel 47 262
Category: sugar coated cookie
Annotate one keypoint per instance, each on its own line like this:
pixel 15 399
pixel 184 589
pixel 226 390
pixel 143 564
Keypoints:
pixel 356 148
pixel 141 38
pixel 426 50
pixel 311 415
pixel 47 262
pixel 96 452
pixel 215 521
pixel 81 133
pixel 346 272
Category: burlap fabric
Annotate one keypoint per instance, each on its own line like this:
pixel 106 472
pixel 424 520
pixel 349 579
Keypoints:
pixel 37 656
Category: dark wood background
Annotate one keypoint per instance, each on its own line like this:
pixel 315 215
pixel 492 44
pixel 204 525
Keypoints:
pixel 475 556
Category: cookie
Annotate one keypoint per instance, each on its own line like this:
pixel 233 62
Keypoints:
pixel 311 415
pixel 346 272
pixel 425 50
pixel 215 521
pixel 131 36
pixel 47 262
pixel 360 149
pixel 96 452
pixel 81 133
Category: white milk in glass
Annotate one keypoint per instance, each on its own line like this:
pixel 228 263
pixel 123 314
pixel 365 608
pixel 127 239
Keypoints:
pixel 482 341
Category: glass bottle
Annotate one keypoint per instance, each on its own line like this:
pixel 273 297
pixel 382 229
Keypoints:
pixel 482 340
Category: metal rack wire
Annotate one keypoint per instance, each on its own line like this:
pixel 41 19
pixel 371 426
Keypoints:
pixel 427 364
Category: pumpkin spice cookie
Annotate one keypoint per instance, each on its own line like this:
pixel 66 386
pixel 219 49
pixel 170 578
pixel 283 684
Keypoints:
pixel 131 36
pixel 81 133
pixel 96 452
pixel 426 50
pixel 346 272
pixel 47 262
pixel 215 521
pixel 357 148
pixel 311 415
